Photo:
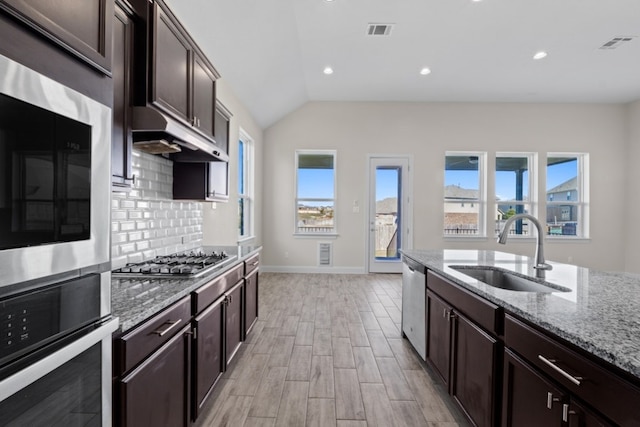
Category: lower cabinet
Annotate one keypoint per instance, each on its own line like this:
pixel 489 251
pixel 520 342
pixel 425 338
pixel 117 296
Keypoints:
pixel 156 393
pixel 529 399
pixel 251 301
pixel 439 336
pixel 465 356
pixel 166 367
pixel 234 332
pixel 475 371
pixel 208 360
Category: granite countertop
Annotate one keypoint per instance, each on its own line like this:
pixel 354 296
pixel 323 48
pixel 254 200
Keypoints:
pixel 601 313
pixel 135 300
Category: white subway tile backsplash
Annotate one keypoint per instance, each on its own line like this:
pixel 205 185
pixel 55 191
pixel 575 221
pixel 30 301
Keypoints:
pixel 147 222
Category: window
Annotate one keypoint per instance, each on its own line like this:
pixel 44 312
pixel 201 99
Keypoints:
pixel 514 190
pixel 245 187
pixel 315 192
pixel 567 194
pixel 464 194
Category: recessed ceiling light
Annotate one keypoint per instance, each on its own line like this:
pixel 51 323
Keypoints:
pixel 540 55
pixel 425 71
pixel 476 1
pixel 328 70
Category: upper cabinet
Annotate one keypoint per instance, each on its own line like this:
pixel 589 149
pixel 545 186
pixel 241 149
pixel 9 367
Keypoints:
pixel 81 27
pixel 182 81
pixel 121 141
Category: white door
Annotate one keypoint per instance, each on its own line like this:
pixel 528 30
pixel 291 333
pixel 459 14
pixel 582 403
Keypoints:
pixel 389 217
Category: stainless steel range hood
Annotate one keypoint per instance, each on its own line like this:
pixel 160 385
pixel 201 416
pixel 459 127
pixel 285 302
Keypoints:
pixel 150 125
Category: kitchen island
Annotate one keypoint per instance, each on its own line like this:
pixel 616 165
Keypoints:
pixel 595 320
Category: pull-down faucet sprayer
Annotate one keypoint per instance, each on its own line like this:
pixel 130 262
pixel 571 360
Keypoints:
pixel 540 266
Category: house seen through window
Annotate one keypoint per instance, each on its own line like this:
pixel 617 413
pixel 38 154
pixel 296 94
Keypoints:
pixel 464 199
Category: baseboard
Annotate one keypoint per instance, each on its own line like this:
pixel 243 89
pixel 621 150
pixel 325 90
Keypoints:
pixel 315 269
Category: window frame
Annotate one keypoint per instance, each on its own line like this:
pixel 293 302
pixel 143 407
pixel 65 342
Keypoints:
pixel 334 230
pixel 481 201
pixel 246 216
pixel 582 204
pixel 533 203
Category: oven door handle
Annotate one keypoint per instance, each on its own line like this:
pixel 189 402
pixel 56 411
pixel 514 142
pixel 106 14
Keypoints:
pixel 21 379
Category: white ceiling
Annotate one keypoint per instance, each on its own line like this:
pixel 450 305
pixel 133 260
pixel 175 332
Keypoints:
pixel 272 52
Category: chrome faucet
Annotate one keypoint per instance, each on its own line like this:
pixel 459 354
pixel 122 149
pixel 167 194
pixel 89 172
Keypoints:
pixel 540 266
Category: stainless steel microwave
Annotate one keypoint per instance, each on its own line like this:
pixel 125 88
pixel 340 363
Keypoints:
pixel 54 177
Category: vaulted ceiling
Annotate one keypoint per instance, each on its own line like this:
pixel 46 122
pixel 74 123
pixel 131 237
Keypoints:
pixel 273 52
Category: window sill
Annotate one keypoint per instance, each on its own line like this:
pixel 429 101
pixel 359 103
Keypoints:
pixel 315 235
pixel 465 238
pixel 243 240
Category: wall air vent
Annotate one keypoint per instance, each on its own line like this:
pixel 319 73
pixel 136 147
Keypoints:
pixel 379 29
pixel 324 254
pixel 617 42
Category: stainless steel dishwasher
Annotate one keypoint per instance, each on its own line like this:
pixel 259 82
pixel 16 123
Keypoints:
pixel 414 284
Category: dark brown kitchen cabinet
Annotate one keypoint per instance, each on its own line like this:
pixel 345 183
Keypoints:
pixel 234 325
pixel 121 141
pixel 589 387
pixel 81 27
pixel 221 126
pixel 201 181
pixel 251 292
pixel 529 399
pixel 206 181
pixel 182 78
pixel 439 336
pixel 464 354
pixel 209 363
pixel 475 371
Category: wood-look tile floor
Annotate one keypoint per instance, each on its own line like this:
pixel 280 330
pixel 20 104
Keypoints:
pixel 327 351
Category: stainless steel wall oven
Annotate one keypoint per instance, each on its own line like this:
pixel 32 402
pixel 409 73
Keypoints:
pixel 55 299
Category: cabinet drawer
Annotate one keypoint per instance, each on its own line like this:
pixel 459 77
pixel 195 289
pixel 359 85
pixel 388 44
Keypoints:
pixel 144 339
pixel 210 292
pixel 251 264
pixel 484 313
pixel 604 390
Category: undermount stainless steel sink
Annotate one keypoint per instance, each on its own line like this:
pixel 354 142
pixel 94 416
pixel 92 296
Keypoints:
pixel 504 279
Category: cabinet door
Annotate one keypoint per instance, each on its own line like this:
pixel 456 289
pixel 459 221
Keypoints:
pixel 221 133
pixel 208 352
pixel 121 141
pixel 171 67
pixel 233 317
pixel 218 182
pixel 474 371
pixel 204 97
pixel 251 301
pixel 528 398
pixel 439 335
pixel 579 415
pixel 155 394
pixel 82 27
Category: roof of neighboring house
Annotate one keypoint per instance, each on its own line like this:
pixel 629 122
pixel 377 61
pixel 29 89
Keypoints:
pixel 569 185
pixel 457 192
pixel 388 205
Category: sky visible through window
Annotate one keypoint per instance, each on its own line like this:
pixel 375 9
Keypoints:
pixel 315 184
pixel 505 185
pixel 386 183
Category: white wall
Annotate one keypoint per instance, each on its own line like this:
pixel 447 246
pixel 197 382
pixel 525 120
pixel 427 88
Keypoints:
pixel 426 131
pixel 632 195
pixel 220 225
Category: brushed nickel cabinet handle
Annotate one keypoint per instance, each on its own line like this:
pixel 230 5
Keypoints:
pixel 551 399
pixel 172 324
pixel 550 363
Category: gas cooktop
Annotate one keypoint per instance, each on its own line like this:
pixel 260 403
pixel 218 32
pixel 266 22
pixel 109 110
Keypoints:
pixel 185 264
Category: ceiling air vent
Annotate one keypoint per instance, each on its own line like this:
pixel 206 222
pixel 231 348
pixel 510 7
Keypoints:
pixel 616 42
pixel 379 29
